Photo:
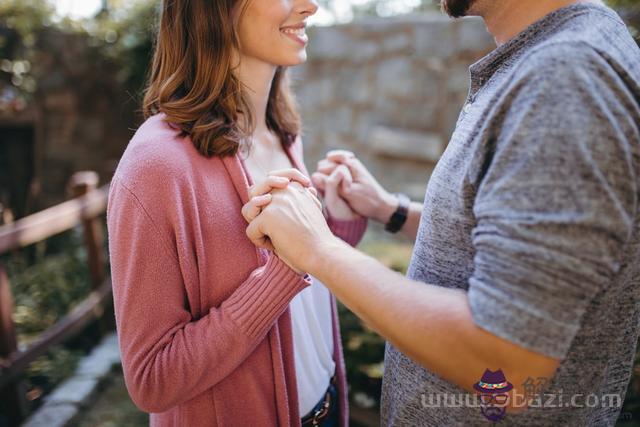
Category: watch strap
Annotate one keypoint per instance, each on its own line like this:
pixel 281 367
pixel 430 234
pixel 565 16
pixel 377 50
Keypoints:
pixel 399 217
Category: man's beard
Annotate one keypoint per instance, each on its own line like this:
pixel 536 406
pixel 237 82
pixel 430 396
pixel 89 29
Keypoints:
pixel 456 8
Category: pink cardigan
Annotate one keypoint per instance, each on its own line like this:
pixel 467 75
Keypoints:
pixel 202 316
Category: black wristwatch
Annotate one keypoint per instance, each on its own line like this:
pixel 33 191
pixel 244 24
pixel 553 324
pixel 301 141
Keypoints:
pixel 399 217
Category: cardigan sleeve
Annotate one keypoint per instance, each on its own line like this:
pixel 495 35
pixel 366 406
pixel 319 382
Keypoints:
pixel 351 231
pixel 169 357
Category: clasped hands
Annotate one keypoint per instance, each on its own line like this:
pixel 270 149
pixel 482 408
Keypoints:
pixel 285 214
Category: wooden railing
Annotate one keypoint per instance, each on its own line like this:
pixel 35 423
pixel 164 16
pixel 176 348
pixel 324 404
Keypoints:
pixel 85 209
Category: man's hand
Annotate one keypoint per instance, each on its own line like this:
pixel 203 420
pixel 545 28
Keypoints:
pixel 292 225
pixel 339 178
pixel 361 190
pixel 260 193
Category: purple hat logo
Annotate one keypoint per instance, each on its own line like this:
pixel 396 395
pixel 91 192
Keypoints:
pixel 493 388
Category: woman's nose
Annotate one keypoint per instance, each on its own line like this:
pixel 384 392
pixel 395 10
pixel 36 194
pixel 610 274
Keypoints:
pixel 308 7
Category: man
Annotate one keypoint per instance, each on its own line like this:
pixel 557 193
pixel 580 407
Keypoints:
pixel 525 275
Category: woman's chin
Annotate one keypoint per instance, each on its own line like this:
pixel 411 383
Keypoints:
pixel 292 60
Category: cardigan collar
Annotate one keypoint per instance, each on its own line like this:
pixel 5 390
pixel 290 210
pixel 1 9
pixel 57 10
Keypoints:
pixel 240 176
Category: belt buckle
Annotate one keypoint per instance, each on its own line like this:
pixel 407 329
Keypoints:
pixel 322 412
pixel 319 414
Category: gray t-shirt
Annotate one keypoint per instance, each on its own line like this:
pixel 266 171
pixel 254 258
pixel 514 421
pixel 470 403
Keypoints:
pixel 533 210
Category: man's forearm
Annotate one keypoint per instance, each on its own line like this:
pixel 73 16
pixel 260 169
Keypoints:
pixel 430 324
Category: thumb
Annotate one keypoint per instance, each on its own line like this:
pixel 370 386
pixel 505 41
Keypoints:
pixel 331 189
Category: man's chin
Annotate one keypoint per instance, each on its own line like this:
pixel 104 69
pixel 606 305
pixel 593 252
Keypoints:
pixel 456 8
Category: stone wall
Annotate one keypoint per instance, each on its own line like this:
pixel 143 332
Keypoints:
pixel 390 90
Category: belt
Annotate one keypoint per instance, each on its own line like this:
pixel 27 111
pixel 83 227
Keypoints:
pixel 323 407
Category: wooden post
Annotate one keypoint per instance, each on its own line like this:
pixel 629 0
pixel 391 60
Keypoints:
pixel 13 397
pixel 83 183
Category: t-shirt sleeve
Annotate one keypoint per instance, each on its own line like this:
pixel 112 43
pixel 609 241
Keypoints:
pixel 556 200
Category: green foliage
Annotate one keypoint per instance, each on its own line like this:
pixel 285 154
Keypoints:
pixel 25 16
pixel 124 37
pixel 20 24
pixel 45 287
pixel 127 37
pixel 50 369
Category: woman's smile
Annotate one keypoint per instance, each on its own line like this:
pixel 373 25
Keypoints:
pixel 296 33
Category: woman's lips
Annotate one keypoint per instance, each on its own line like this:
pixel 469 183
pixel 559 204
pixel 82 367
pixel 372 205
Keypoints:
pixel 297 33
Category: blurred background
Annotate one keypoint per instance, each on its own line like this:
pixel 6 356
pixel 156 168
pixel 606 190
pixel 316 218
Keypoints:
pixel 385 79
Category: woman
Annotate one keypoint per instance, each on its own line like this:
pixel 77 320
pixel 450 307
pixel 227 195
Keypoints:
pixel 213 331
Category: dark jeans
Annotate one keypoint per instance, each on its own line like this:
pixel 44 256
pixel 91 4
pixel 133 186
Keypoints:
pixel 333 419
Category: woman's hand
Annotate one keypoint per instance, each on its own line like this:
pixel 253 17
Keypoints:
pixel 260 194
pixel 361 190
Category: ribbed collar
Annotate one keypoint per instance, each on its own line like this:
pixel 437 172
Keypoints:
pixel 482 70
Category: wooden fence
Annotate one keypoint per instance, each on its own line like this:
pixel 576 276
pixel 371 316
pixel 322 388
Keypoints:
pixel 86 209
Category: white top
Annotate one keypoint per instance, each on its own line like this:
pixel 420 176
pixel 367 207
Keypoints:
pixel 312 343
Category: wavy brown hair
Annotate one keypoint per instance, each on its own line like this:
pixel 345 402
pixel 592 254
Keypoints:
pixel 191 79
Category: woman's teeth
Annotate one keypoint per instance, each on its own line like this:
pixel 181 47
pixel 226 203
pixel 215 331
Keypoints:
pixel 295 31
